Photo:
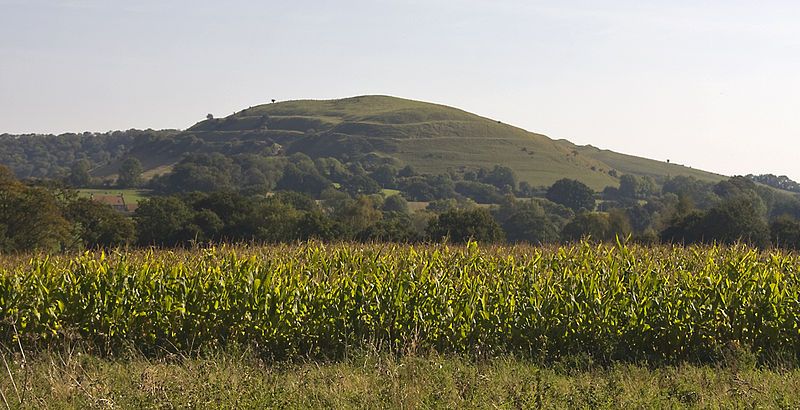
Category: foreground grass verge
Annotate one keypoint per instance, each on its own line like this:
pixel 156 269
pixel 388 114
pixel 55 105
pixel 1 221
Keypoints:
pixel 379 381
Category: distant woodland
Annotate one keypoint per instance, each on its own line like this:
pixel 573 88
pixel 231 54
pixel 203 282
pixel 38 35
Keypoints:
pixel 210 198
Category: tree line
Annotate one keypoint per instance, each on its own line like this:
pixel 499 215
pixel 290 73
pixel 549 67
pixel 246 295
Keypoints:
pixel 46 216
pixel 59 156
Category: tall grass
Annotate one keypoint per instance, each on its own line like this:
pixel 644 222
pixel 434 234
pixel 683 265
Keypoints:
pixel 629 302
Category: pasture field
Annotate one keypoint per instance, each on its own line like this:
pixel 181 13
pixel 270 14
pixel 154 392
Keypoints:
pixel 132 196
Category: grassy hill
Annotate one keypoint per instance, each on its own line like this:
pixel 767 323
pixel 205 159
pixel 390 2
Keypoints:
pixel 430 137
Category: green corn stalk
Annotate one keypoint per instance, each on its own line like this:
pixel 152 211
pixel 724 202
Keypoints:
pixel 621 301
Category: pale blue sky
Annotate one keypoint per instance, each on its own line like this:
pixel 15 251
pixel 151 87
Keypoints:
pixel 710 84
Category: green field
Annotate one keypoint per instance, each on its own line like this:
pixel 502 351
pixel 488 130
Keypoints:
pixel 389 192
pixel 381 325
pixel 131 196
pixel 659 304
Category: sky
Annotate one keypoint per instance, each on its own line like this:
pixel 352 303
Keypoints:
pixel 710 84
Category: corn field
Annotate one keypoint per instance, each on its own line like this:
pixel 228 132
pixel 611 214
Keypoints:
pixel 619 301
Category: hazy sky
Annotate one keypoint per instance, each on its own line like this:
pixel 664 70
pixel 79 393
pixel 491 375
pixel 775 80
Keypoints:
pixel 710 84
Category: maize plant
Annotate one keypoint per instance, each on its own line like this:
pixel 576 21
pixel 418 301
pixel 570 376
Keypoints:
pixel 620 301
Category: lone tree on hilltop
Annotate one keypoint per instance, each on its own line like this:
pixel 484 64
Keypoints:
pixel 210 116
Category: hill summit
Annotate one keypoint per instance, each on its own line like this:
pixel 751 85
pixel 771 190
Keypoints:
pixel 430 137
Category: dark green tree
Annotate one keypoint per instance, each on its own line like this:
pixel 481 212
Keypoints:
pixel 502 178
pixel 785 232
pixel 303 179
pixel 395 203
pixel 619 224
pixel 30 218
pixel 385 175
pixel 406 172
pixel 361 185
pixel 572 194
pixel 633 187
pixel 233 210
pixel 316 225
pixel 332 169
pixel 358 215
pixel 297 200
pixel 464 225
pixel 165 221
pixel 628 186
pixel 395 228
pixel 275 221
pixel 479 192
pixel 200 172
pixel 79 174
pixel 209 226
pixel 734 220
pixel 686 228
pixel 98 225
pixel 130 173
pixel 416 189
pixel 594 225
pixel 530 225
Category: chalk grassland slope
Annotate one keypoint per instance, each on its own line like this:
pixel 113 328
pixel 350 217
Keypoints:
pixel 435 138
pixel 432 138
pixel 629 164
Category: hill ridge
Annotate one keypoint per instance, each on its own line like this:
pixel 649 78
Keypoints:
pixel 431 137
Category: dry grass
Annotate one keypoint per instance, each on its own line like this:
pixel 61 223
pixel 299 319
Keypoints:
pixel 371 380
